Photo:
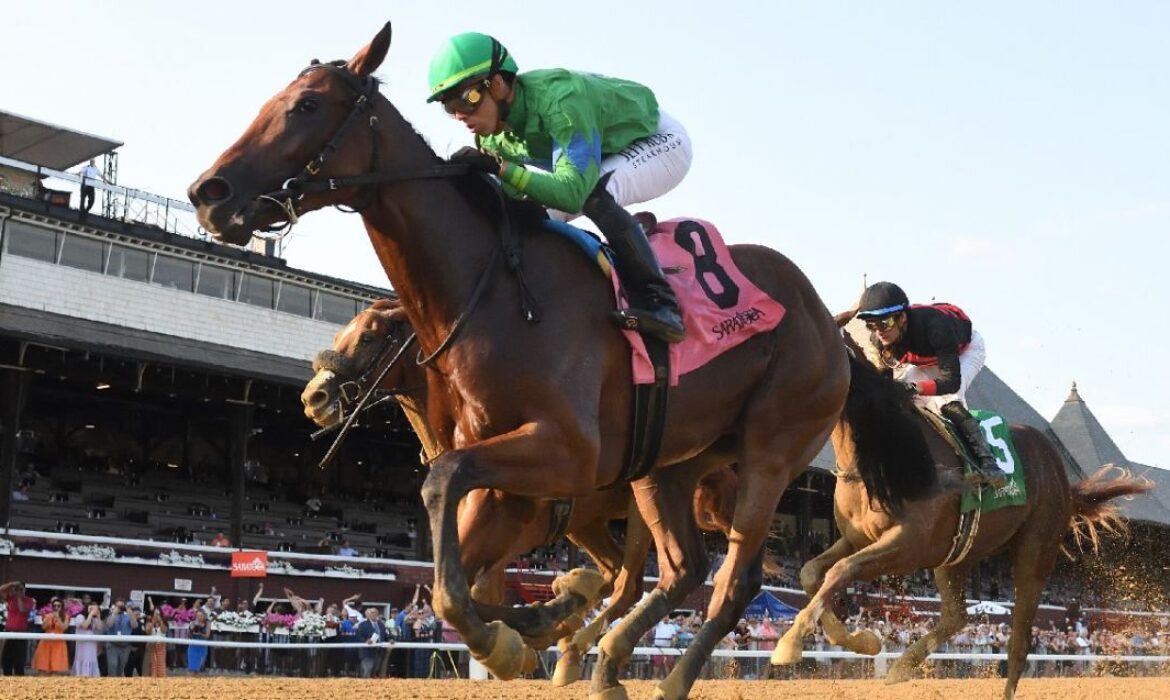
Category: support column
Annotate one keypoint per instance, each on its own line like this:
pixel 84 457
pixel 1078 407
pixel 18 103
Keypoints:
pixel 804 518
pixel 15 392
pixel 241 415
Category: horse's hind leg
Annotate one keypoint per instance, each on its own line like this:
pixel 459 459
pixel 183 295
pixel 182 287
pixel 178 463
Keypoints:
pixel 769 461
pixel 1033 556
pixel 682 562
pixel 952 583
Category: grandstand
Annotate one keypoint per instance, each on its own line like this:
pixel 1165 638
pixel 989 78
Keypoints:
pixel 151 382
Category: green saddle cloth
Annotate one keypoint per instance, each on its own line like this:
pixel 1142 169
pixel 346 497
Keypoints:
pixel 999 439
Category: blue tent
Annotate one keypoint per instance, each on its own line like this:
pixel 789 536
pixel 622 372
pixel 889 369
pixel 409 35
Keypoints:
pixel 765 602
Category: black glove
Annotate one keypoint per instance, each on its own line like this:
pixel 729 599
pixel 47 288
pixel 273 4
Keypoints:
pixel 910 387
pixel 477 160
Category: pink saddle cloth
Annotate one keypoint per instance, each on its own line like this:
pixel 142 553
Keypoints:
pixel 721 308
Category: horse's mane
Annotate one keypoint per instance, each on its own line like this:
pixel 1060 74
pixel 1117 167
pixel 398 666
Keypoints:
pixel 892 456
pixel 479 191
pixel 484 196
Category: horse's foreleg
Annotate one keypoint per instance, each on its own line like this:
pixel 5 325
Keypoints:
pixel 757 494
pixel 494 529
pixel 951 582
pixel 683 567
pixel 1033 557
pixel 892 553
pixel 517 462
pixel 811 576
pixel 626 590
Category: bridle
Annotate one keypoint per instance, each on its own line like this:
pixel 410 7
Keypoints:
pixel 363 388
pixel 306 181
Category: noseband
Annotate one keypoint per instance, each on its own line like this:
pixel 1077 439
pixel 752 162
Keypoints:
pixel 334 361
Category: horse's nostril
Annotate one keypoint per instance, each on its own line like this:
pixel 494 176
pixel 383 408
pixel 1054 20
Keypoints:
pixel 316 399
pixel 214 190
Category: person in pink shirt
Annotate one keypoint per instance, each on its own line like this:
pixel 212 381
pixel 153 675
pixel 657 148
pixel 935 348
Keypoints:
pixel 19 606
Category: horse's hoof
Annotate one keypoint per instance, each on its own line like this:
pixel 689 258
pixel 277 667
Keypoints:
pixel 529 662
pixel 586 583
pixel 567 672
pixel 787 652
pixel 865 642
pixel 618 692
pixel 508 656
pixel 897 675
pixel 671 688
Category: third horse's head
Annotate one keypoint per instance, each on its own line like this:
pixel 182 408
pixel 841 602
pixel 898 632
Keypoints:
pixel 359 352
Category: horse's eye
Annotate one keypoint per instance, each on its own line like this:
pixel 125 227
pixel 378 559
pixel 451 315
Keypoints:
pixel 307 105
pixel 366 337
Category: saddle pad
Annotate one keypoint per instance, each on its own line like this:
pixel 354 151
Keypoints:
pixel 588 242
pixel 999 438
pixel 721 308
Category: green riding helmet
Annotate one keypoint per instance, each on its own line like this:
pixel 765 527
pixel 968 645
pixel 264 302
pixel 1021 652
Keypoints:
pixel 466 56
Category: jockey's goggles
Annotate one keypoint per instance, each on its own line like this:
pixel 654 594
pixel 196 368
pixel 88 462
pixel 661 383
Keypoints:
pixel 882 324
pixel 469 100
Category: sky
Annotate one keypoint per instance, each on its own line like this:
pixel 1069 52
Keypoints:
pixel 1010 157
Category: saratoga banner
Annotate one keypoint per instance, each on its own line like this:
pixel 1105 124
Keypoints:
pixel 249 564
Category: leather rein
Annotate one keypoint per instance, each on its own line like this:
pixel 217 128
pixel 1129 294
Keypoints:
pixel 306 181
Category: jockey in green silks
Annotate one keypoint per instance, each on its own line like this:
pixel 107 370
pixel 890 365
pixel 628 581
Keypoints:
pixel 576 143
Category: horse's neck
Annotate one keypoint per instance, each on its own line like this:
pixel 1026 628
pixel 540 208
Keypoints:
pixel 415 409
pixel 431 243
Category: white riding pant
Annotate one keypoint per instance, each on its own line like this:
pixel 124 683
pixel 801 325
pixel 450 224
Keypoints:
pixel 646 169
pixel 971 361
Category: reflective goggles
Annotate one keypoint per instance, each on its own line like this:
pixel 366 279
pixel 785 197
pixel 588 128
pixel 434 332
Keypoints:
pixel 882 324
pixel 469 100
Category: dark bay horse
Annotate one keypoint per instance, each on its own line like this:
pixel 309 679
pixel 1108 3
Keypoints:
pixel 884 533
pixel 496 528
pixel 539 410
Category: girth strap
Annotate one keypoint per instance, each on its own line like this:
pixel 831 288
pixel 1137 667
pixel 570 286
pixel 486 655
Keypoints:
pixel 649 414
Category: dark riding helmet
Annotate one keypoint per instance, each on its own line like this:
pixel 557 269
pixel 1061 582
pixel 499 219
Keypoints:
pixel 881 300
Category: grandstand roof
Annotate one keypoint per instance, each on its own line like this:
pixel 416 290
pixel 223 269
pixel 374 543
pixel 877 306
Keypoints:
pixel 1153 507
pixel 1085 437
pixel 48 145
pixel 1080 431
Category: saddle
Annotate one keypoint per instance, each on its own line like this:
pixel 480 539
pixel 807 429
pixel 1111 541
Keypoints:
pixel 975 501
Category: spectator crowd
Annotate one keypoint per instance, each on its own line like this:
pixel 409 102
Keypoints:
pixel 293 617
pixel 217 617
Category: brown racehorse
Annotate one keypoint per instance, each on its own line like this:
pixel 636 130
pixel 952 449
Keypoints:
pixel 884 534
pixel 496 528
pixel 540 410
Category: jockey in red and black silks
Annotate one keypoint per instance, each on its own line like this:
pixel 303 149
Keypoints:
pixel 933 350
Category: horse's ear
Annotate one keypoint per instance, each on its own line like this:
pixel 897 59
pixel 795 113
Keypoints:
pixel 385 305
pixel 367 60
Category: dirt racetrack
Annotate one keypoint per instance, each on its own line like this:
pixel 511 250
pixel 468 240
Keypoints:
pixel 210 688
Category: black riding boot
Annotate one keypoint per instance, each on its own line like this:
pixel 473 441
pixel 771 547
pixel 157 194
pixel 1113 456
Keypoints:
pixel 988 470
pixel 653 306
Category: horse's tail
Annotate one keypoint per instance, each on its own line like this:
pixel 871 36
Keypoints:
pixel 1093 509
pixel 891 453
pixel 714 508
